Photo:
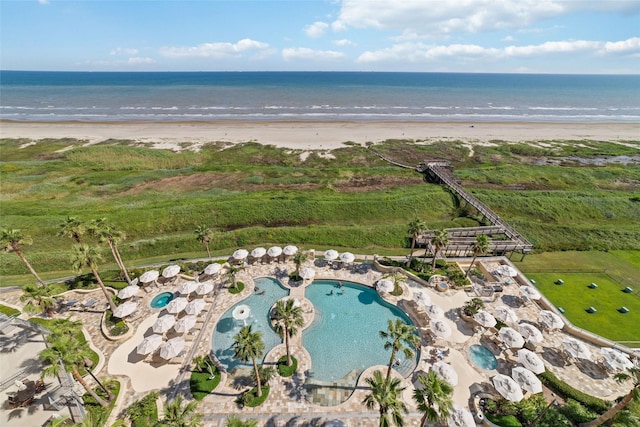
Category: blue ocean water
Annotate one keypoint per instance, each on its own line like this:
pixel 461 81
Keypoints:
pixel 304 96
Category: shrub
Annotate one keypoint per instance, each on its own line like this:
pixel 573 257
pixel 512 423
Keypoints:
pixel 144 412
pixel 472 306
pixel 250 398
pixel 504 420
pixel 284 370
pixel 577 413
pixel 567 392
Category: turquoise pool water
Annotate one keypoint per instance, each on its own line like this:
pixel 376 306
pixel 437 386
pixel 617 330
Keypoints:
pixel 344 336
pixel 161 300
pixel 260 304
pixel 482 357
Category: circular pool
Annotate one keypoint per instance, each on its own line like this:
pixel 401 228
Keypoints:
pixel 161 300
pixel 482 357
pixel 442 286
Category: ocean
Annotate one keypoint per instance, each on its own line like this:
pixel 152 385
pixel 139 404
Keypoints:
pixel 317 96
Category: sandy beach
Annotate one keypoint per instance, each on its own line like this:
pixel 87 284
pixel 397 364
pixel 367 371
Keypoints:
pixel 318 135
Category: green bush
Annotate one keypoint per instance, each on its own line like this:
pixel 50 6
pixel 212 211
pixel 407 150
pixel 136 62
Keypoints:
pixel 577 413
pixel 284 370
pixel 567 392
pixel 237 289
pixel 97 413
pixel 144 412
pixel 250 398
pixel 504 420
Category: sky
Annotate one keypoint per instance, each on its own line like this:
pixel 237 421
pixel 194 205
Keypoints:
pixel 506 36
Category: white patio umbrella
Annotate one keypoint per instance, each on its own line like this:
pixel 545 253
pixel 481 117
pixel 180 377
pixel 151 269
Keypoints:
pixel 617 359
pixel 421 297
pixel 195 306
pixel 185 324
pixel 507 270
pixel 385 285
pixel 307 273
pixel 505 314
pixel 530 292
pixel 550 320
pixel 290 250
pixel 204 288
pixel 135 281
pixel 485 319
pixel 347 257
pixel 511 337
pixel 460 417
pixel 213 269
pixel 125 309
pixel 175 306
pixel 434 311
pixel 440 328
pixel 274 251
pixel 331 254
pixel 171 271
pixel 296 301
pixel 507 387
pixel 240 254
pixel 526 379
pixel 172 348
pixel 446 372
pixel 258 252
pixel 531 361
pixel 20 385
pixel 576 348
pixel 163 324
pixel 530 332
pixel 187 287
pixel 149 344
pixel 128 292
pixel 149 276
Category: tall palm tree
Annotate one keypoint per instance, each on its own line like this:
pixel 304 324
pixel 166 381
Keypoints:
pixel 415 229
pixel 479 247
pixel 11 241
pixel 40 298
pixel 234 421
pixel 438 241
pixel 287 319
pixel 298 259
pixel 204 235
pixel 433 397
pixel 105 232
pixel 399 334
pixel 86 256
pixel 248 346
pixel 72 227
pixel 177 415
pixel 386 394
pixel 632 374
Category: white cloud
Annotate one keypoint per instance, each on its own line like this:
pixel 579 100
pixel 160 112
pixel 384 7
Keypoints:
pixel 631 45
pixel 43 1
pixel 508 39
pixel 317 29
pixel 138 60
pixel 343 42
pixel 214 50
pixel 294 53
pixel 124 51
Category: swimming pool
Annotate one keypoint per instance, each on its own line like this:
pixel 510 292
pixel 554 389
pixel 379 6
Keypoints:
pixel 344 336
pixel 227 327
pixel 161 300
pixel 482 357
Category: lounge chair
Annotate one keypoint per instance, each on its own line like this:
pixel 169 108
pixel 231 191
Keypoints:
pixel 89 303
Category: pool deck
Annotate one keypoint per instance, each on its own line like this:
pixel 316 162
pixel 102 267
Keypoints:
pixel 139 375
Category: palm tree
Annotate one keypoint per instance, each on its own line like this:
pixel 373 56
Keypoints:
pixel 85 256
pixel 398 334
pixel 298 259
pixel 40 299
pixel 248 345
pixel 287 319
pixel 176 415
pixel 232 271
pixel 386 394
pixel 416 228
pixel 11 241
pixel 438 241
pixel 204 236
pixel 109 234
pixel 71 227
pixel 632 374
pixel 433 397
pixel 234 421
pixel 479 247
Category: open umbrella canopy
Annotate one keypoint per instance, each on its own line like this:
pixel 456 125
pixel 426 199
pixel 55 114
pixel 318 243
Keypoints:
pixel 505 314
pixel 550 320
pixel 258 252
pixel 128 292
pixel 530 332
pixel 149 344
pixel 163 324
pixel 526 379
pixel 296 301
pixel 125 309
pixel 347 257
pixel 176 305
pixel 274 251
pixel 507 270
pixel 240 254
pixel 576 348
pixel 331 254
pixel 195 306
pixel 434 311
pixel 20 385
pixel 446 372
pixel 616 359
pixel 172 348
pixel 385 285
pixel 440 328
pixel 460 417
pixel 187 287
pixel 213 269
pixel 485 319
pixel 149 276
pixel 290 250
pixel 171 271
pixel 511 337
pixel 421 297
pixel 307 273
pixel 531 361
pixel 507 387
pixel 185 324
pixel 204 288
pixel 530 292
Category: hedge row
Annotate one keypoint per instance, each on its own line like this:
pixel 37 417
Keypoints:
pixel 567 392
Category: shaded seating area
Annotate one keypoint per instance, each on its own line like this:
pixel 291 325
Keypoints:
pixel 27 391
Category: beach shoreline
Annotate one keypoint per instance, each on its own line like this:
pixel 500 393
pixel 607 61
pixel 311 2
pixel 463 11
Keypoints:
pixel 317 135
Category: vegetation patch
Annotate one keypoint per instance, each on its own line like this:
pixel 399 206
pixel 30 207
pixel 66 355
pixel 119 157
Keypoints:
pixel 97 414
pixel 252 400
pixel 144 412
pixel 239 287
pixel 204 378
pixel 9 311
pixel 285 370
pixel 568 392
